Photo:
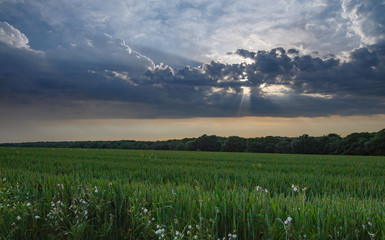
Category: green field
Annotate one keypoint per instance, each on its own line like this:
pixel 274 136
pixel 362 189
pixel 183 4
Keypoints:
pixel 127 194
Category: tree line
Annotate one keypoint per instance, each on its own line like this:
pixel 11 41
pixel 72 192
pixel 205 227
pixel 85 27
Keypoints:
pixel 354 144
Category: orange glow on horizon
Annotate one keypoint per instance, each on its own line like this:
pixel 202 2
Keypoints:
pixel 163 129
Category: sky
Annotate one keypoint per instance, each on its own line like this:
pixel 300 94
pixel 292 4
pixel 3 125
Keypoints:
pixel 151 69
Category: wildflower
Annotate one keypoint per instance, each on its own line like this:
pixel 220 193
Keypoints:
pixel 266 191
pixel 230 235
pixel 188 232
pixel 288 220
pixel 234 236
pixel 258 188
pixel 96 190
pixel 145 210
pixel 159 231
pixel 4 179
pixel 196 237
pixel 189 226
pixel 37 217
pixel 28 204
pixel 369 223
pixel 177 233
pixel 18 218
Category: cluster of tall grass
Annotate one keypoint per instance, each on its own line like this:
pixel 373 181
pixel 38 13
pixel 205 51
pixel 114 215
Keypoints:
pixel 135 194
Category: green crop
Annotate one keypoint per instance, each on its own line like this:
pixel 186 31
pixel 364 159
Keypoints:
pixel 133 194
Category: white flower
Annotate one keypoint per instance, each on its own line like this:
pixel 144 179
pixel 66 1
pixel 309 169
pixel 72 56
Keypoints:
pixel 230 235
pixel 37 217
pixel 369 223
pixel 189 226
pixel 159 231
pixel 145 210
pixel 258 188
pixel 96 190
pixel 288 220
pixel 266 191
pixel 177 233
pixel 28 204
pixel 292 186
pixel 196 237
pixel 188 232
pixel 234 236
pixel 4 179
pixel 18 218
pixel 295 189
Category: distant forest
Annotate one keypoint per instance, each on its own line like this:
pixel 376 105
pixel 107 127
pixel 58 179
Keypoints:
pixel 354 144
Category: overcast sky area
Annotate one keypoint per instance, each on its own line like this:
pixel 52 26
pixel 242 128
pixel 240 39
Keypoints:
pixel 151 69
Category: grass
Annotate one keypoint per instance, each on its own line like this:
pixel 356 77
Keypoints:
pixel 126 194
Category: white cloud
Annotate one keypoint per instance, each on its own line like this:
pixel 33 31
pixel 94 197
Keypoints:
pixel 104 49
pixel 274 90
pixel 192 28
pixel 12 36
pixel 229 58
pixel 121 75
pixel 366 19
pixel 318 95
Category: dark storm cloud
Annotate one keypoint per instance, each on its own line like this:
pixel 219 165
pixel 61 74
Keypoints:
pixel 102 77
